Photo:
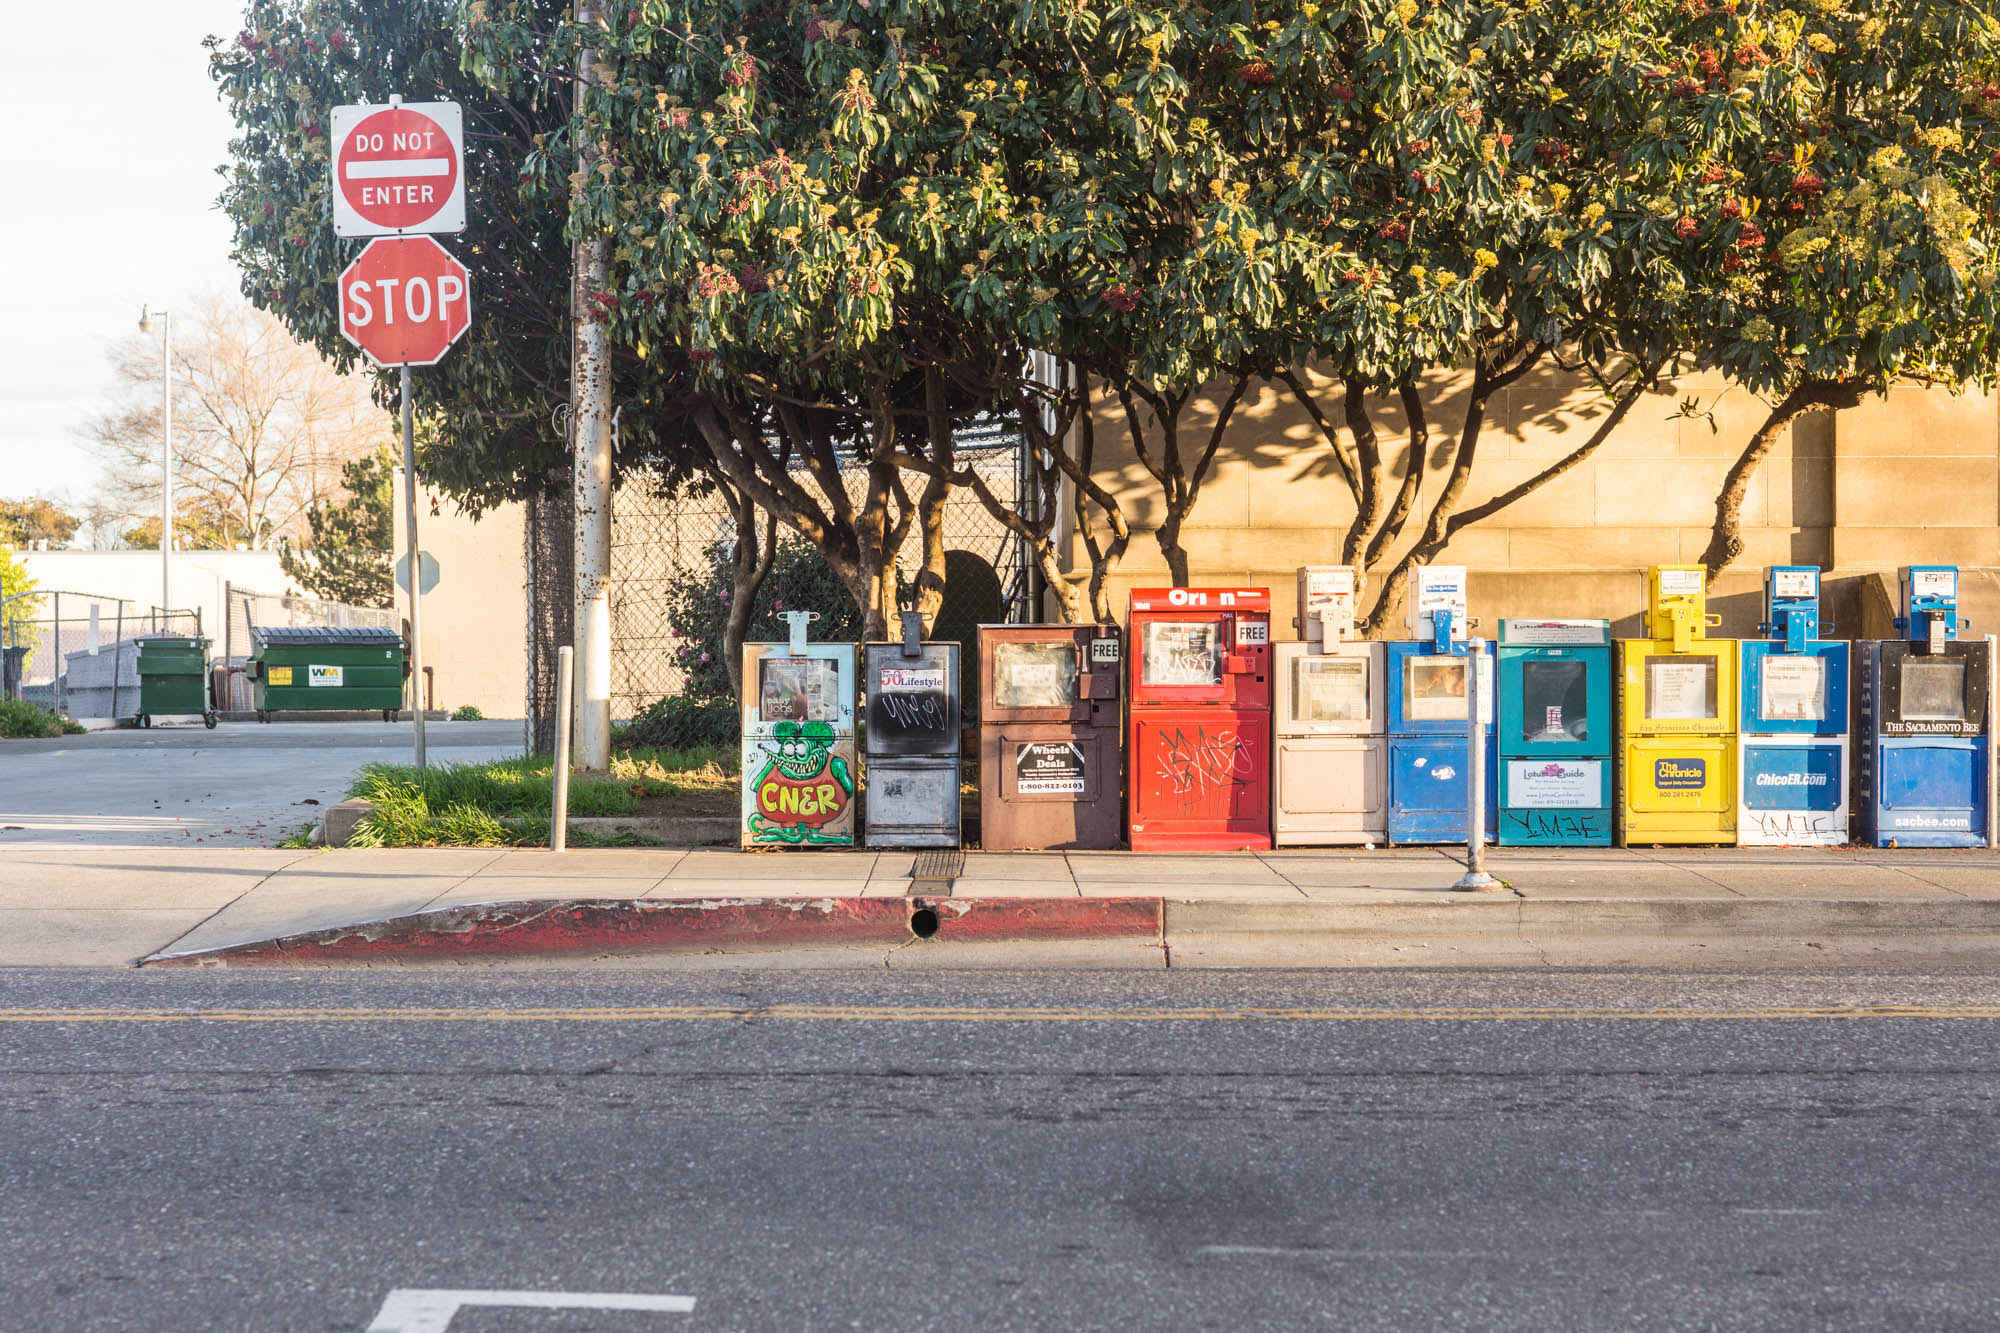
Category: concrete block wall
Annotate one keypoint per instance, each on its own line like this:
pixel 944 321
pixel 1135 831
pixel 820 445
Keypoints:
pixel 1912 478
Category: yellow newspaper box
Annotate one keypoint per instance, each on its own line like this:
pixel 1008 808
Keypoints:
pixel 1677 719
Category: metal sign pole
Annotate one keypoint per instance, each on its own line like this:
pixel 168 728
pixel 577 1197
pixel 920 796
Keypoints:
pixel 559 793
pixel 1475 879
pixel 417 701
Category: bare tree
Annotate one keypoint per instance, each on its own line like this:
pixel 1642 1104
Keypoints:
pixel 262 425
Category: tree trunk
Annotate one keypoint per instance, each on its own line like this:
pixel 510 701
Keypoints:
pixel 1368 462
pixel 750 565
pixel 1725 541
pixel 930 504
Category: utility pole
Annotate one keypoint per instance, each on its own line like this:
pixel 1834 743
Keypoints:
pixel 590 417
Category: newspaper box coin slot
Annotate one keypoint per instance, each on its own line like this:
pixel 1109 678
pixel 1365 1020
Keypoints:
pixel 1330 776
pixel 1199 759
pixel 1924 778
pixel 1049 753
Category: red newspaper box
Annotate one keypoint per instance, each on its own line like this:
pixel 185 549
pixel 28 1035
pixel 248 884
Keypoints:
pixel 1199 766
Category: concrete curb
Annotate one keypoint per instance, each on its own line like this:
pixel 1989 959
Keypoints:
pixel 1506 930
pixel 574 927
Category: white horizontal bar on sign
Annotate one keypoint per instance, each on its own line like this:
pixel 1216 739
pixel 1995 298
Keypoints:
pixel 376 168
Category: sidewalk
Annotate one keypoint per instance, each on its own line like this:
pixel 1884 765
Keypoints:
pixel 1701 906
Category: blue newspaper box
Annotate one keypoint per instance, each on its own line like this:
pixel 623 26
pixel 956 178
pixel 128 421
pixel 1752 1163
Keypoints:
pixel 1924 774
pixel 1429 689
pixel 1792 732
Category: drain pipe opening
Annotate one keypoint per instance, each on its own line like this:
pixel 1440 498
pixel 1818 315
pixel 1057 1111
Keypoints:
pixel 924 922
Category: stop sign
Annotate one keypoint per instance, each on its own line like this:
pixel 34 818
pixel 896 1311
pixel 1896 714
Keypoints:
pixel 404 301
pixel 398 168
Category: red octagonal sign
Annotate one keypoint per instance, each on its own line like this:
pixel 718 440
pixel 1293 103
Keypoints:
pixel 405 301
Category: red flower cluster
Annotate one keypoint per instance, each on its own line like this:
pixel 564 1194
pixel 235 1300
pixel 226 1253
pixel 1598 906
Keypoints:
pixel 1731 209
pixel 752 278
pixel 1256 72
pixel 1687 229
pixel 741 73
pixel 1713 175
pixel 1553 152
pixel 701 356
pixel 1394 230
pixel 677 119
pixel 1687 86
pixel 1343 92
pixel 711 282
pixel 1122 298
pixel 1751 237
pixel 1751 56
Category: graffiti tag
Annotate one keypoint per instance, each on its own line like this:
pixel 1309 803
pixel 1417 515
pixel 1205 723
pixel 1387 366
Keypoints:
pixel 1200 770
pixel 914 711
pixel 1564 825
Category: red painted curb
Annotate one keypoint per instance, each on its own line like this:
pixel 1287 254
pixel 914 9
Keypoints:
pixel 721 925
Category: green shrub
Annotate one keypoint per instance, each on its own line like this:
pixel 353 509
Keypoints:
pixel 681 722
pixel 467 713
pixel 698 613
pixel 22 721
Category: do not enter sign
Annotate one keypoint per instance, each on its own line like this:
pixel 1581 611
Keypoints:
pixel 398 169
pixel 405 301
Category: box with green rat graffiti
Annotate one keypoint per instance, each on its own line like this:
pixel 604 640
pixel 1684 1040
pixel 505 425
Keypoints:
pixel 798 742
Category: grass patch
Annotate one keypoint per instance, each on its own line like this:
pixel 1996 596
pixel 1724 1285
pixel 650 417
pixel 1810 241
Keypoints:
pixel 300 841
pixel 505 802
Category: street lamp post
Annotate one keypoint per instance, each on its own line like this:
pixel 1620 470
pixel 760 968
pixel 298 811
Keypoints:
pixel 164 318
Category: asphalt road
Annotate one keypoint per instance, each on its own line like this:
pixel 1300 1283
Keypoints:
pixel 244 784
pixel 815 1150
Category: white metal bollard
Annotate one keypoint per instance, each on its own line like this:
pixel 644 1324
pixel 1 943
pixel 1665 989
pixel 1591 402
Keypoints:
pixel 1475 879
pixel 559 801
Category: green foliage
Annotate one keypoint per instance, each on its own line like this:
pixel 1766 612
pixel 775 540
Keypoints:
pixel 698 614
pixel 346 558
pixel 14 607
pixel 467 713
pixel 20 720
pixel 23 521
pixel 681 721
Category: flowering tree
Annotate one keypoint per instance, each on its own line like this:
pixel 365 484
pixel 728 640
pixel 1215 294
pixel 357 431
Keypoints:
pixel 1842 240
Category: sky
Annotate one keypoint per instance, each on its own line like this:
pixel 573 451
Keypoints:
pixel 117 132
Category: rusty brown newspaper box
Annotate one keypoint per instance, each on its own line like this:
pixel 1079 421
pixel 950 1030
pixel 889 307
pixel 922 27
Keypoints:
pixel 1050 757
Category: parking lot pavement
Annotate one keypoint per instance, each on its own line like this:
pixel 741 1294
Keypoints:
pixel 243 784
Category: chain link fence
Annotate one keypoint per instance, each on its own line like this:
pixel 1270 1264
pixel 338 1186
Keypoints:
pixel 75 652
pixel 661 541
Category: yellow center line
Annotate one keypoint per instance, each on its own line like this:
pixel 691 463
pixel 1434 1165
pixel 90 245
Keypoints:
pixel 886 1014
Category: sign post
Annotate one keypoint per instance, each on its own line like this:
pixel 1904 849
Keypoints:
pixel 398 175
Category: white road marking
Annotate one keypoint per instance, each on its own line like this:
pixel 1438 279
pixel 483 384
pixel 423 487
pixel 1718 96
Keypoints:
pixel 430 1309
pixel 380 168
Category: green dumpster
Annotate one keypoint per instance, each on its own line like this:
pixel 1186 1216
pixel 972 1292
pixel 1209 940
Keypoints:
pixel 173 678
pixel 316 668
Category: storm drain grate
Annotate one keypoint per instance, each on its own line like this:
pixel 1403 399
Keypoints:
pixel 933 873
